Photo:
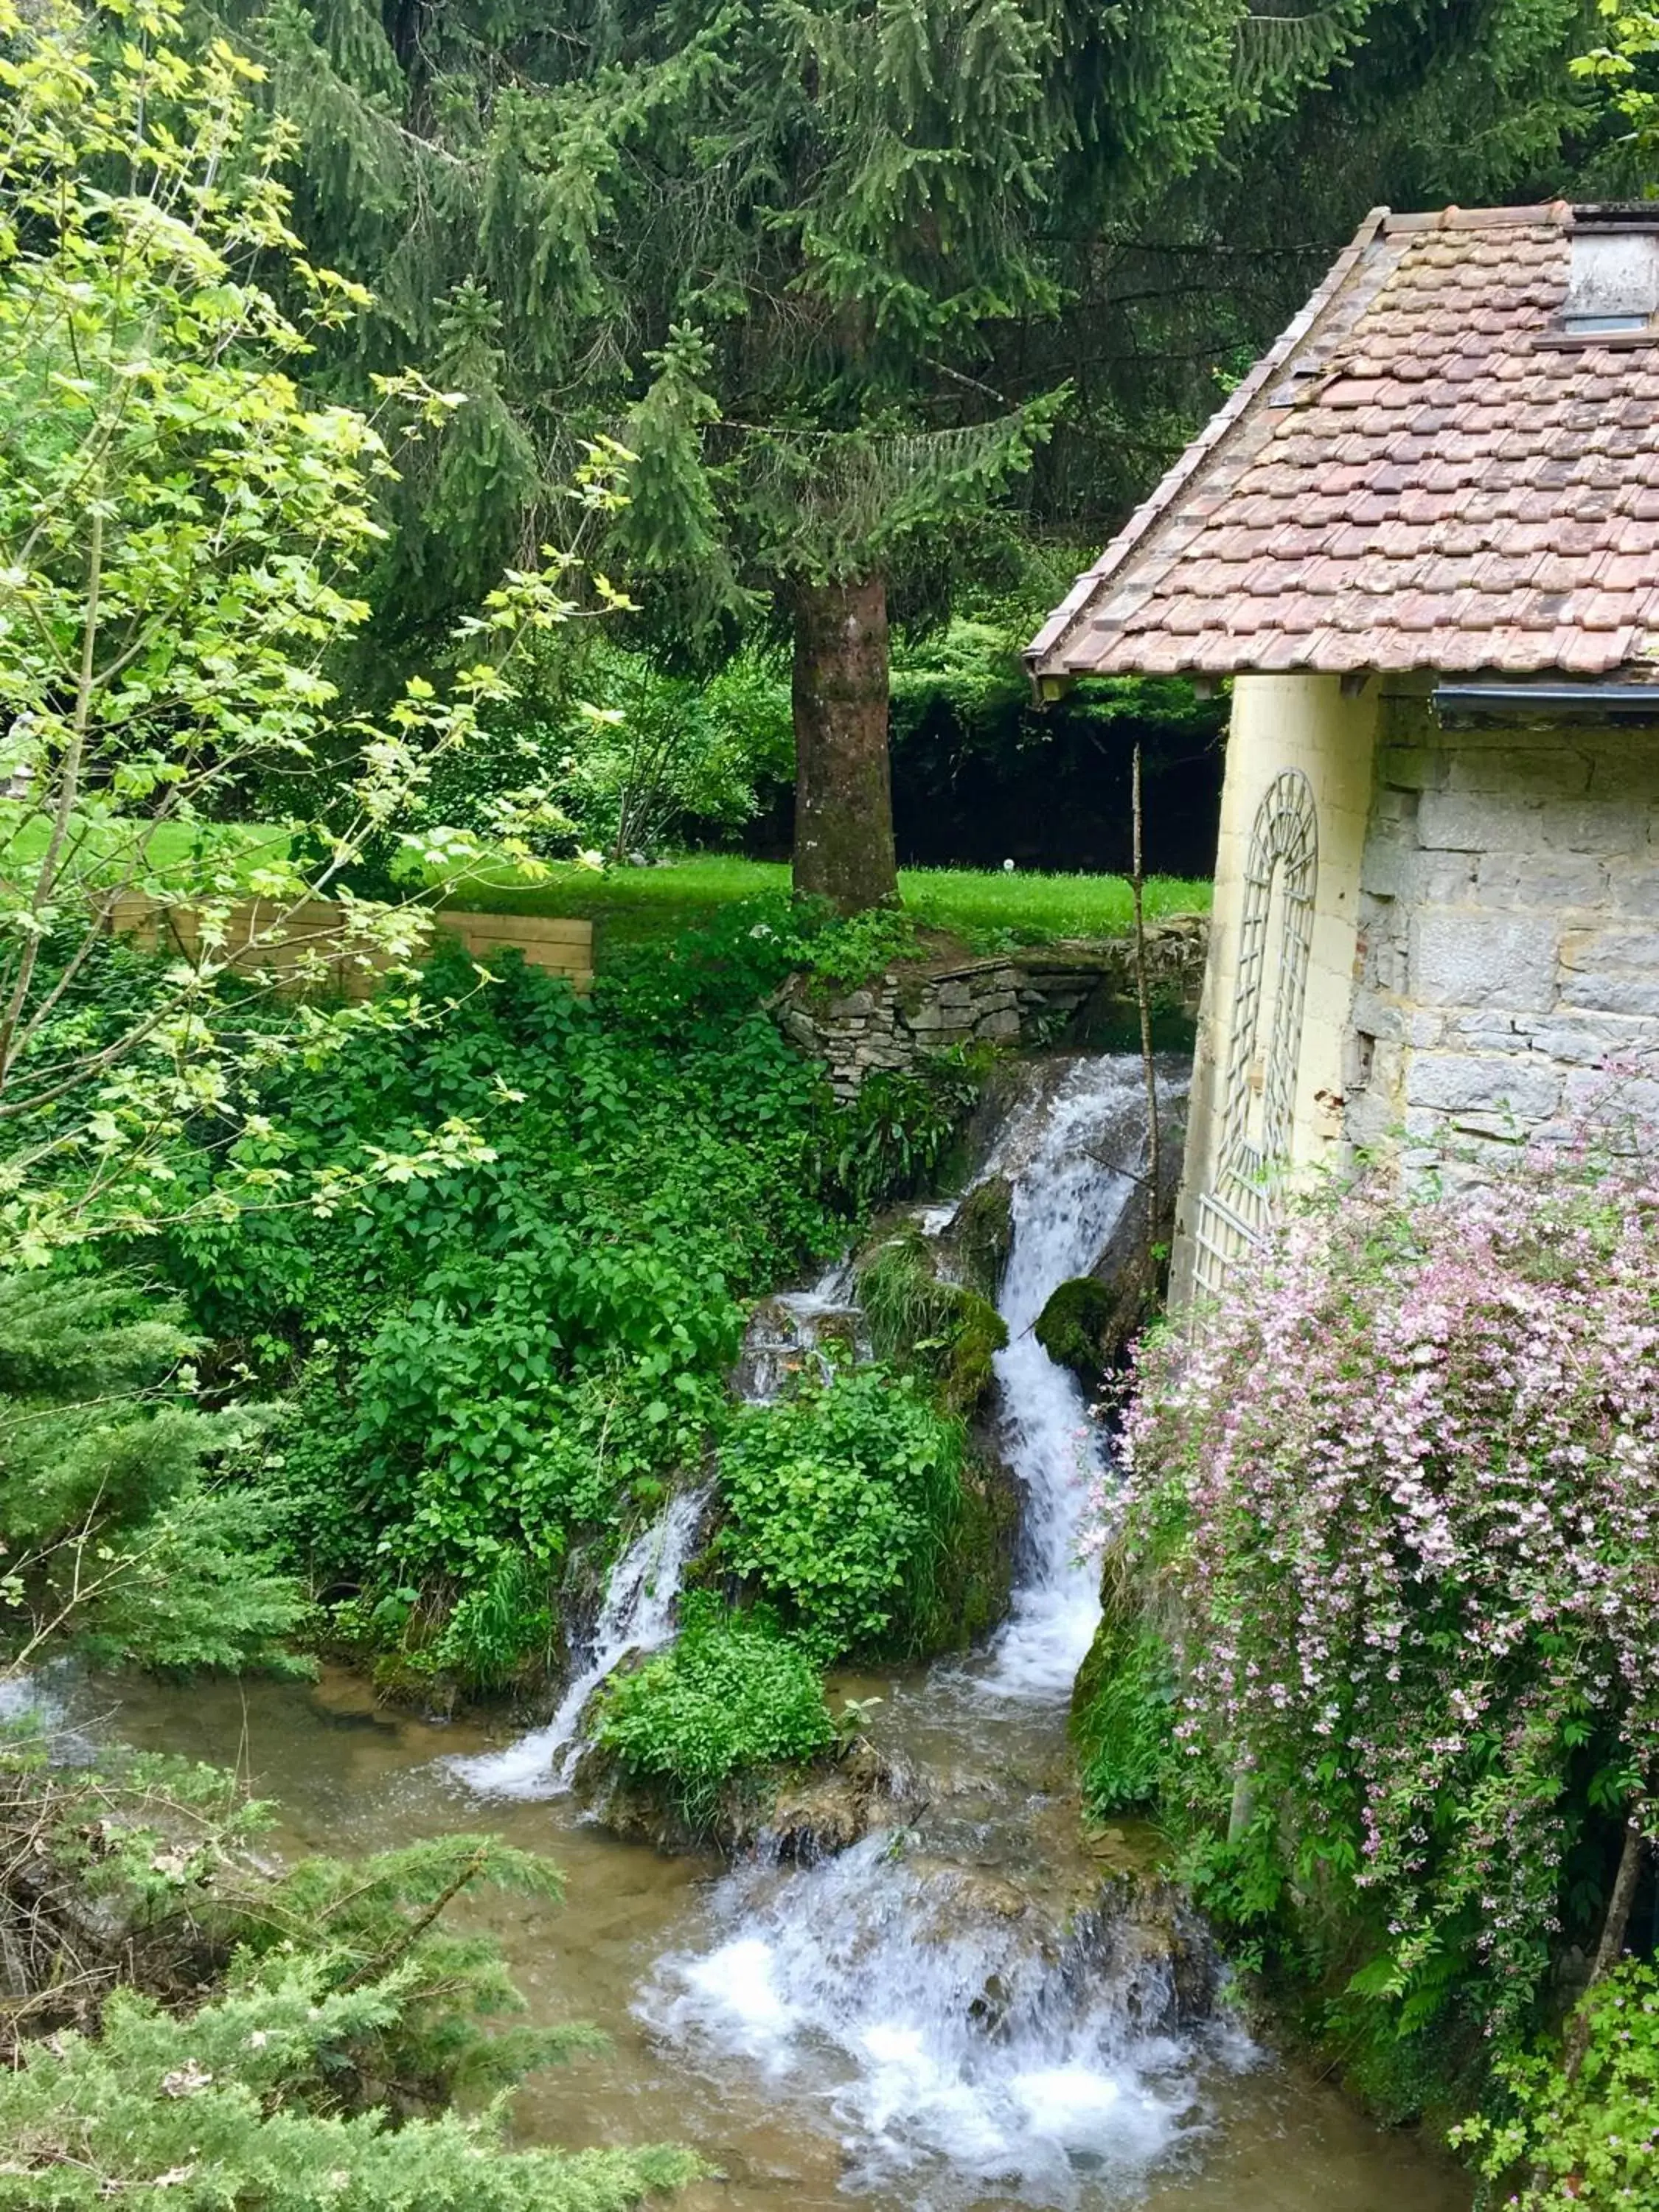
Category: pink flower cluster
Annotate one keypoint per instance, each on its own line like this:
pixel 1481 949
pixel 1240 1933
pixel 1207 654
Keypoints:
pixel 1403 1488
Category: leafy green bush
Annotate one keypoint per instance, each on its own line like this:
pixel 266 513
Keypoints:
pixel 488 1361
pixel 1590 2137
pixel 843 1498
pixel 629 754
pixel 493 1355
pixel 732 1694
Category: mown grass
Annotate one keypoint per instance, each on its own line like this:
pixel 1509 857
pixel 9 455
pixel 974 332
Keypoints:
pixel 983 907
pixel 988 910
pixel 166 849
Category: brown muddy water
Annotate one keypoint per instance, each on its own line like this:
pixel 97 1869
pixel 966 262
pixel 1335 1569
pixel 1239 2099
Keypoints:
pixel 349 1776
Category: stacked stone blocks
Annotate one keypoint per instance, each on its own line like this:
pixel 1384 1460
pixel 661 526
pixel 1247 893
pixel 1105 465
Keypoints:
pixel 1507 980
pixel 1024 998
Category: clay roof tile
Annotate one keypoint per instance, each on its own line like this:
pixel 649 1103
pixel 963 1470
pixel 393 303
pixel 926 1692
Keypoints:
pixel 1445 491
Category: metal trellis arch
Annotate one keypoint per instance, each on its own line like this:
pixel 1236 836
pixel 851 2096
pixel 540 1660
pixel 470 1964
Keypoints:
pixel 1258 1103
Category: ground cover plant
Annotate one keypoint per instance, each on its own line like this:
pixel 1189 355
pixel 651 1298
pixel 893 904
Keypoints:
pixel 492 1362
pixel 844 1496
pixel 1392 1517
pixel 1586 2136
pixel 733 1694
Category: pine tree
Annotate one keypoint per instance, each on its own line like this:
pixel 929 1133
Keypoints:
pixel 777 248
pixel 111 1535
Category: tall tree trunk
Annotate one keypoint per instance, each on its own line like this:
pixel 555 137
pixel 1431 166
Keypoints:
pixel 843 784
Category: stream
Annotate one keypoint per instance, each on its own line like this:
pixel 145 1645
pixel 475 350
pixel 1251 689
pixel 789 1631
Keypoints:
pixel 943 2017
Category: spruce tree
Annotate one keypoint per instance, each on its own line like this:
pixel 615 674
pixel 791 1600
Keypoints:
pixel 1432 102
pixel 771 245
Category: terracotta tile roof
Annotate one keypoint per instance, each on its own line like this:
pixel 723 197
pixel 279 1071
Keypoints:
pixel 1408 480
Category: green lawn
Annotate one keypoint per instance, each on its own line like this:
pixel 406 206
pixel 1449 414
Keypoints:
pixel 169 847
pixel 987 908
pixel 630 906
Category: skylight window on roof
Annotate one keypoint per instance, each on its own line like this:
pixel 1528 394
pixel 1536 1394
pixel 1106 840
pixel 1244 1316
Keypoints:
pixel 1612 282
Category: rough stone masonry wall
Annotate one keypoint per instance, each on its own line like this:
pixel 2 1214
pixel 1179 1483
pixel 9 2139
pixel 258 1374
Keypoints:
pixel 1508 965
pixel 1030 997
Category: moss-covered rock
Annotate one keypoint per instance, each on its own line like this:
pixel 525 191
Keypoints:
pixel 978 1333
pixel 1073 1326
pixel 983 1233
pixel 975 1573
pixel 1123 1703
pixel 807 1810
pixel 945 1332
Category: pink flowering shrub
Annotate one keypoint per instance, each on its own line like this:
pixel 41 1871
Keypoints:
pixel 1401 1500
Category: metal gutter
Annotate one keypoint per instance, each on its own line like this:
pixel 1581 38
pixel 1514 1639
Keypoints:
pixel 1634 701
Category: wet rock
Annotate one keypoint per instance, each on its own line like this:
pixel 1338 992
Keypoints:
pixel 970 1898
pixel 924 1321
pixel 824 1810
pixel 1142 1939
pixel 802 1814
pixel 1082 1327
pixel 982 1233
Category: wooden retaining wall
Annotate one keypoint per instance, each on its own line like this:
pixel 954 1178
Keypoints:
pixel 310 946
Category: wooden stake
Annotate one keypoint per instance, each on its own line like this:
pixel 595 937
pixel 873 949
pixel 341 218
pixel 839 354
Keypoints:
pixel 1143 993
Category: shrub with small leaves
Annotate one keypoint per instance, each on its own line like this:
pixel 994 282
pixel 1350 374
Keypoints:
pixel 1591 2138
pixel 1401 1495
pixel 842 1499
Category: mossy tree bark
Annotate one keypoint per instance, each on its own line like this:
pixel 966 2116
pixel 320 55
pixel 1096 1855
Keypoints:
pixel 843 783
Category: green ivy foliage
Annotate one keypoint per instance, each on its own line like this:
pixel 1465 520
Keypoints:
pixel 732 1694
pixel 843 1498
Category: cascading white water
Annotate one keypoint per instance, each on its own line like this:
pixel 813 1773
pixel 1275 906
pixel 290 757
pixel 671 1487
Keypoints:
pixel 931 2006
pixel 954 2054
pixel 785 1332
pixel 1072 1153
pixel 637 1616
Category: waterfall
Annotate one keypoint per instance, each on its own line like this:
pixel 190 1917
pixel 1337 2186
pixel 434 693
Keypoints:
pixel 636 1616
pixel 928 1988
pixel 786 1331
pixel 954 2053
pixel 1072 1153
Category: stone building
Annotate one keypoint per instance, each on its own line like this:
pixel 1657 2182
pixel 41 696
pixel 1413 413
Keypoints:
pixel 1423 537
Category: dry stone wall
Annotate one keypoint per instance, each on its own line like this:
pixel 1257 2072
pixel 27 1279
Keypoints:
pixel 1036 996
pixel 1507 968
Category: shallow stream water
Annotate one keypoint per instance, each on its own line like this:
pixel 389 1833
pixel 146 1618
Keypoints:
pixel 936 2021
